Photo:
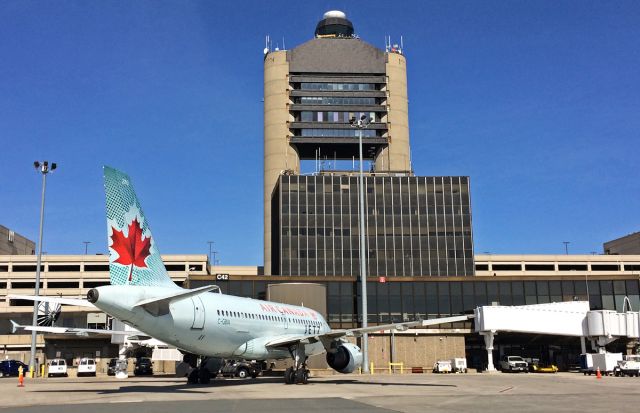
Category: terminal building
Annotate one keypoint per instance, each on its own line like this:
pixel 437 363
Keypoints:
pixel 12 243
pixel 419 239
pixel 603 280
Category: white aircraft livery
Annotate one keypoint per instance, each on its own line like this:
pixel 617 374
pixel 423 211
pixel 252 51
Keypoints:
pixel 203 321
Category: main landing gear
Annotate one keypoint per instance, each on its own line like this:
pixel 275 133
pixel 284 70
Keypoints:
pixel 298 374
pixel 206 370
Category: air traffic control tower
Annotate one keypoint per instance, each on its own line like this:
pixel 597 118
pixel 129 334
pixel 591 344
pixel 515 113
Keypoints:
pixel 311 221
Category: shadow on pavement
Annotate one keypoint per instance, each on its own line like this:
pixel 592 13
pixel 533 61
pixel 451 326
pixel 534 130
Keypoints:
pixel 129 387
pixel 377 383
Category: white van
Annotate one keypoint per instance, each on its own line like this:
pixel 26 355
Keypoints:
pixel 87 367
pixel 57 367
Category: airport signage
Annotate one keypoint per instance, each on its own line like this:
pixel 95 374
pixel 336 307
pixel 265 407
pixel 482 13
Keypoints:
pixel 222 277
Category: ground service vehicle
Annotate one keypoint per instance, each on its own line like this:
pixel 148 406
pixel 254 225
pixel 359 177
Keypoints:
pixel 538 368
pixel 459 365
pixel 241 369
pixel 628 366
pixel 57 367
pixel 605 362
pixel 513 363
pixel 442 366
pixel 87 367
pixel 111 367
pixel 10 368
pixel 144 366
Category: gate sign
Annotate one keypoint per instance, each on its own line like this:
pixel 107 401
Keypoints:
pixel 222 277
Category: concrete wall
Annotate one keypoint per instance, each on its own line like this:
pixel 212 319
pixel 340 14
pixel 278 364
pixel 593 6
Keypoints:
pixel 309 295
pixel 278 154
pixel 15 244
pixel 397 156
pixel 414 351
pixel 629 244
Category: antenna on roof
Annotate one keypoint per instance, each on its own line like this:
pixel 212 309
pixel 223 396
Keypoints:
pixel 283 48
pixel 266 45
pixel 401 45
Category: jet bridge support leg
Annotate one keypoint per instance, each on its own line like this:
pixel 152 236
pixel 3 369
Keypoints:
pixel 488 342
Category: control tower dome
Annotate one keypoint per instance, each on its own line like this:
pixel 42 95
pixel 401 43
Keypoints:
pixel 334 23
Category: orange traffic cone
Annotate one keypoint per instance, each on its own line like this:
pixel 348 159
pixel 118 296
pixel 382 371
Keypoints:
pixel 598 374
pixel 20 379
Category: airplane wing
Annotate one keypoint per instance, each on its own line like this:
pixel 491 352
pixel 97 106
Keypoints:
pixel 357 332
pixel 60 300
pixel 77 331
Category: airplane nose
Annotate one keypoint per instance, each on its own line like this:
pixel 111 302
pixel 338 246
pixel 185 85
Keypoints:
pixel 92 295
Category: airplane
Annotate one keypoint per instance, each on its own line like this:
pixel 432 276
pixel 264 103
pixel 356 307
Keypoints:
pixel 203 321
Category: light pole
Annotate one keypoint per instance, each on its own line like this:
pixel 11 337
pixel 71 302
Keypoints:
pixel 210 251
pixel 566 247
pixel 44 169
pixel 86 246
pixel 362 123
pixel 215 261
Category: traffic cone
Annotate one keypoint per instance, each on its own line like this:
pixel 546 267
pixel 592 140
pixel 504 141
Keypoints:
pixel 598 374
pixel 20 380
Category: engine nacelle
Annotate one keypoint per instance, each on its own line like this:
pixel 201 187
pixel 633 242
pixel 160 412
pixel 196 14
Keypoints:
pixel 344 358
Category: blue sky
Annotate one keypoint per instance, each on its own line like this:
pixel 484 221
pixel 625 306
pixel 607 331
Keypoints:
pixel 537 101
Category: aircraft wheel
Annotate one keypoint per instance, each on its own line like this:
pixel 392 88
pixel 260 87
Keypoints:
pixel 204 375
pixel 193 377
pixel 289 375
pixel 301 376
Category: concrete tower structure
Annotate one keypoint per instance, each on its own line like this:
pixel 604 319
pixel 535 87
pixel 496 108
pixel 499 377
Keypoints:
pixel 310 94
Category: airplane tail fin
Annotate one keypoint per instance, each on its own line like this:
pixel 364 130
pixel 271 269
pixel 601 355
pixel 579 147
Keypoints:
pixel 134 258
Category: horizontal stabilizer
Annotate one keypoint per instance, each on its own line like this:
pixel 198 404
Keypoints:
pixel 60 300
pixel 158 306
pixel 68 330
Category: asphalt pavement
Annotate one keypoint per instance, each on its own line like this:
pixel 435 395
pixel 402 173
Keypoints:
pixel 562 392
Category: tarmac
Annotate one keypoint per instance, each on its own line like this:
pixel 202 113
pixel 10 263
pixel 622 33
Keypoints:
pixel 561 392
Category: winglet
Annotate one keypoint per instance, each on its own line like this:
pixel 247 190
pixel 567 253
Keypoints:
pixel 14 326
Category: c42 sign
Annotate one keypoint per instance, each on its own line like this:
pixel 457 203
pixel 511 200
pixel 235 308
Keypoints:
pixel 222 277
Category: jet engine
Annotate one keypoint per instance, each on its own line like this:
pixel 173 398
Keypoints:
pixel 344 357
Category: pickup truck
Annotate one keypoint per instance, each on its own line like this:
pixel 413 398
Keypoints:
pixel 513 363
pixel 628 366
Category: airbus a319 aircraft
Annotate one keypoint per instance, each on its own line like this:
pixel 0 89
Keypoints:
pixel 203 321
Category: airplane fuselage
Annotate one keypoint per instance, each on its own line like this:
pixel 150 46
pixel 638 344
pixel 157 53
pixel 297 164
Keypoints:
pixel 213 324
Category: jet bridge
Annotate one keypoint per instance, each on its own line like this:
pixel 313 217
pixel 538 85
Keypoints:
pixel 572 318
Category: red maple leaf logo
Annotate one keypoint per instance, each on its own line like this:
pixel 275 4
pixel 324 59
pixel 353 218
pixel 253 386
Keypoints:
pixel 132 250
